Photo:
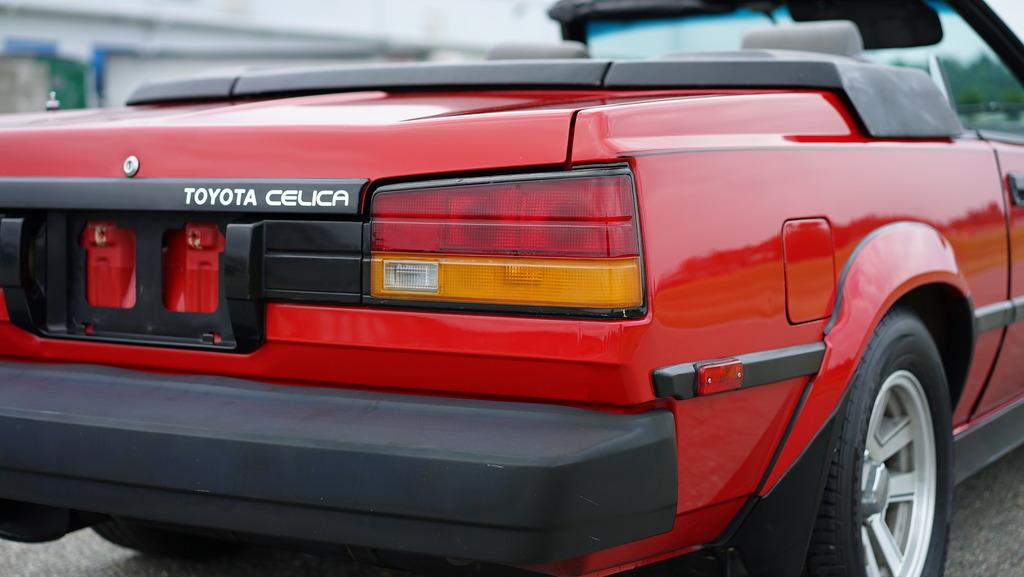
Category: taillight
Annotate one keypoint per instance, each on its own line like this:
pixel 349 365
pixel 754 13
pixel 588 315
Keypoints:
pixel 567 241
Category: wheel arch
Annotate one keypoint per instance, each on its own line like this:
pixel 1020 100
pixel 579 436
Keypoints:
pixel 953 333
pixel 904 263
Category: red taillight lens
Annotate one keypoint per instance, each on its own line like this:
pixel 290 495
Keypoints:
pixel 565 241
pixel 589 217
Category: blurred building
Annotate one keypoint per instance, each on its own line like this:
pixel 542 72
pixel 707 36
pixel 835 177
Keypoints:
pixel 95 52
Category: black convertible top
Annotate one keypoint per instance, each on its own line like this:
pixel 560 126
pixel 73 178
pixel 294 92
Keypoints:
pixel 890 102
pixel 568 11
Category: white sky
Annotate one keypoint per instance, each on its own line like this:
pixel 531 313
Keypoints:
pixel 1012 11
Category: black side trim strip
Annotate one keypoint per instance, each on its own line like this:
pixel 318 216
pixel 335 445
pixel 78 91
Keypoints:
pixel 676 381
pixel 989 441
pixel 1018 309
pixel 781 364
pixel 994 316
pixel 761 368
pixel 999 315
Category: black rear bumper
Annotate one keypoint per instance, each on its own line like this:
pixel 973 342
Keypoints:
pixel 490 481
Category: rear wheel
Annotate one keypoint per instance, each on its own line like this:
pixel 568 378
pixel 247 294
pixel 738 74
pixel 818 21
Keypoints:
pixel 159 542
pixel 887 505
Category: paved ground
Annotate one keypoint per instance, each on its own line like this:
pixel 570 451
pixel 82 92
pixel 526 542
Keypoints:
pixel 987 541
pixel 988 526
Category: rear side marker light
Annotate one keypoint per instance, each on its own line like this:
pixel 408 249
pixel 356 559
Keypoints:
pixel 569 241
pixel 719 377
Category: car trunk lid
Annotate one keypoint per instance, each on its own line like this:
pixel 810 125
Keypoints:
pixel 171 225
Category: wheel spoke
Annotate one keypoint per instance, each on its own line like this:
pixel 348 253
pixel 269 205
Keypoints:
pixel 883 446
pixel 898 498
pixel 869 554
pixel 886 543
pixel 878 413
pixel 902 487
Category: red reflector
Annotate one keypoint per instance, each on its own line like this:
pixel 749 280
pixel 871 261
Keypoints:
pixel 585 217
pixel 719 377
pixel 109 265
pixel 191 269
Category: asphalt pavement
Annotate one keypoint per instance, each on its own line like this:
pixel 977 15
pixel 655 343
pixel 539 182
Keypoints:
pixel 987 541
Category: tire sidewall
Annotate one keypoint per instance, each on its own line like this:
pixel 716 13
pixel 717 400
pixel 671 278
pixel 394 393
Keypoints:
pixel 901 342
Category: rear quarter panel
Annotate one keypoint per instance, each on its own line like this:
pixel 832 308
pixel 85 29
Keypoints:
pixel 717 179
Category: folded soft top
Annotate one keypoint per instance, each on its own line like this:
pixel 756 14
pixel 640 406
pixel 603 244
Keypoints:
pixel 890 102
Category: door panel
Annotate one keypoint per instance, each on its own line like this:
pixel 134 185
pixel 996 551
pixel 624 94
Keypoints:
pixel 1007 382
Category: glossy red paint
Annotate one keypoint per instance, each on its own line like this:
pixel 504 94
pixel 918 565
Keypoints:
pixel 374 135
pixel 726 441
pixel 810 269
pixel 1007 382
pixel 727 295
pixel 717 177
pixel 888 265
pixel 319 136
pixel 986 349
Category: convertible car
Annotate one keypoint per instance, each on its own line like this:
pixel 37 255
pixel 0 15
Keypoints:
pixel 714 287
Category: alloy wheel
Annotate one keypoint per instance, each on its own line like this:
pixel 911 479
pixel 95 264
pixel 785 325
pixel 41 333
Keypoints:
pixel 898 482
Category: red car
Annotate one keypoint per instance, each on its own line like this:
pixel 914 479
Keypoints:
pixel 714 287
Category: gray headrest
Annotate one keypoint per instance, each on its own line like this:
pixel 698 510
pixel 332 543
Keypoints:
pixel 526 51
pixel 836 37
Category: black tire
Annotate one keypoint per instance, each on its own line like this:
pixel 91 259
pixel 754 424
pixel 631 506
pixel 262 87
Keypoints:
pixel 159 542
pixel 900 342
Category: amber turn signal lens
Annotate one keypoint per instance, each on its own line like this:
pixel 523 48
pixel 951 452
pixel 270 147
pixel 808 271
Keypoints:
pixel 546 282
pixel 569 241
